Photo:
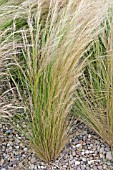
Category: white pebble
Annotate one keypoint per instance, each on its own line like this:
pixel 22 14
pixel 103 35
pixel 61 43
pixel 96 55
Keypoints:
pixel 91 151
pixel 90 162
pixel 17 147
pixel 78 145
pixel 86 152
pixel 101 155
pixel 89 136
pixel 73 146
pixel 8 144
pixel 84 159
pixel 43 167
pixel 77 163
pixel 82 153
pixel 25 149
pixel 101 150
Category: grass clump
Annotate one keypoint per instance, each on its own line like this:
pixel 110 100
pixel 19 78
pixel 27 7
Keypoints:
pixel 42 63
pixel 94 96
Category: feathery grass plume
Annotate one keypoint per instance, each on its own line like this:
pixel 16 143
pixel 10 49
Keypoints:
pixel 42 60
pixel 9 7
pixel 94 102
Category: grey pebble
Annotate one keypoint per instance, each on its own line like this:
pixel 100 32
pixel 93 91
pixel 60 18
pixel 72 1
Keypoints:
pixel 107 149
pixel 87 168
pixel 10 148
pixel 32 167
pixel 33 160
pixel 82 168
pixel 95 168
pixel 72 162
pixel 81 151
pixel 84 159
pixel 108 163
pixel 109 156
pixel 102 150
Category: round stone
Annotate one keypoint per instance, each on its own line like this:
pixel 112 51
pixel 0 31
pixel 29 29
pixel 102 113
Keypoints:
pixel 109 156
pixel 77 163
pixel 33 160
pixel 82 168
pixel 25 149
pixel 102 150
pixel 78 145
pixel 91 162
pixel 84 159
pixel 102 156
pixel 95 168
pixel 87 152
pixel 32 166
pixel 89 136
pixel 10 148
pixel 17 147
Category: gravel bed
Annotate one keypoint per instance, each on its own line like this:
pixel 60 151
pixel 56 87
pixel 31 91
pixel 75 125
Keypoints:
pixel 86 151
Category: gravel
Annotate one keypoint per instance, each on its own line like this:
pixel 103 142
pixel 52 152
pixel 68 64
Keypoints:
pixel 86 151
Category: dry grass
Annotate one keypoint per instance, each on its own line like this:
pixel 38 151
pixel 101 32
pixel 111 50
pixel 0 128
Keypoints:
pixel 95 95
pixel 42 61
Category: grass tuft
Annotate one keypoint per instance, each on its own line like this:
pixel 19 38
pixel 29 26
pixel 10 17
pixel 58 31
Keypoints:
pixel 42 65
pixel 94 102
